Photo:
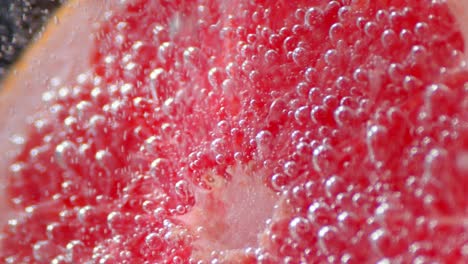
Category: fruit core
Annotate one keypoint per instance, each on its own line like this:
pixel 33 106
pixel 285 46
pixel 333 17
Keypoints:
pixel 232 214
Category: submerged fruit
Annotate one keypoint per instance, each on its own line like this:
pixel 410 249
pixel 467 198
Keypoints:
pixel 248 131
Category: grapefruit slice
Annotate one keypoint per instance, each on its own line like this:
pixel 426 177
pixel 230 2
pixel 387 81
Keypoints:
pixel 242 132
pixel 44 66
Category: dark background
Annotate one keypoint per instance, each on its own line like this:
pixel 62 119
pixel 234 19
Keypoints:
pixel 20 21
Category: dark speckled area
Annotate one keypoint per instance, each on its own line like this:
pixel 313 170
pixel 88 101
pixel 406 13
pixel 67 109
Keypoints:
pixel 20 21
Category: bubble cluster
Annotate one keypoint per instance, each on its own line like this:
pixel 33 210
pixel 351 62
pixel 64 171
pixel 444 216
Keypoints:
pixel 352 113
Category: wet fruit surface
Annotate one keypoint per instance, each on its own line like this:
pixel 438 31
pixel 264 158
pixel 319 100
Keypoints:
pixel 247 131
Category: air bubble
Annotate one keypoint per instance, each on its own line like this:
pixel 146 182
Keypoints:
pixel 438 97
pixel 58 111
pixel 115 107
pixel 299 56
pixel 319 115
pixel 349 222
pixel 48 97
pixel 251 38
pixel 56 231
pixel 313 16
pixel 274 40
pixel 218 145
pixel 389 38
pixel 304 149
pixel 279 181
pixel 65 153
pixel 300 228
pixel 64 93
pixel 382 17
pixel 192 56
pixel 435 163
pixel 343 83
pixel 349 101
pixel 383 242
pixel 330 101
pixel 336 32
pixel 345 13
pixel 290 168
pixel 169 107
pixel 215 77
pixel 44 251
pixel 290 43
pixel 278 111
pixel 406 37
pixel 220 159
pixel 105 159
pixel 125 255
pixel 330 240
pixel 344 116
pixel 118 221
pixel 396 72
pixel 160 167
pixel 411 83
pixel 96 125
pixel 42 125
pixel 176 235
pixel 315 95
pixel 334 186
pixel 418 54
pixel 299 14
pixel 299 30
pixel 177 260
pixel 126 89
pixel 377 139
pixel 16 169
pixel 255 78
pixel 311 75
pixel 98 95
pixel 183 191
pixel 85 214
pixel 106 259
pixel 360 23
pixel 166 51
pixel 319 213
pixel 154 241
pixel 302 115
pixel 332 58
pixel 229 87
pixel 247 50
pixel 264 140
pixel 60 259
pixel 421 30
pixel 272 57
pixel 371 29
pixel 75 250
pixel 324 159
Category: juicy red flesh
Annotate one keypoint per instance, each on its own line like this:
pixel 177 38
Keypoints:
pixel 354 112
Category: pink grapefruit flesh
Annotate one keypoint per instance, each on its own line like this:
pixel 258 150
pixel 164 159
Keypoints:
pixel 247 132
